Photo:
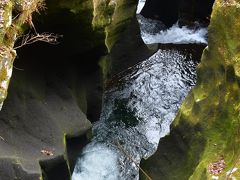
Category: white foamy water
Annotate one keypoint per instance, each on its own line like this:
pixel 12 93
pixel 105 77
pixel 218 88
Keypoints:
pixel 137 113
pixel 174 35
pixel 177 35
pixel 98 162
pixel 140 6
pixel 157 90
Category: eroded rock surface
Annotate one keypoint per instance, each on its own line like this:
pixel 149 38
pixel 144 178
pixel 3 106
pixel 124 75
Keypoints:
pixel 56 90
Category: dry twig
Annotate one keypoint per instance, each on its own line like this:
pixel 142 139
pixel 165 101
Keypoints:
pixel 44 37
pixel 2 138
pixel 129 157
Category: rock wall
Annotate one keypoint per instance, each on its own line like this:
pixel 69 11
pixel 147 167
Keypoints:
pixel 184 11
pixel 56 90
pixel 205 136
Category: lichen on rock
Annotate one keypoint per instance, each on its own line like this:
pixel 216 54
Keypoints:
pixel 6 66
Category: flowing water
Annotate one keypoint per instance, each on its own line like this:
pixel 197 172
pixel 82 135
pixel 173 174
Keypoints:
pixel 140 105
pixel 154 31
pixel 136 114
pixel 141 4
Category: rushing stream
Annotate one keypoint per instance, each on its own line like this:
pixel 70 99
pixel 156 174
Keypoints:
pixel 154 31
pixel 140 106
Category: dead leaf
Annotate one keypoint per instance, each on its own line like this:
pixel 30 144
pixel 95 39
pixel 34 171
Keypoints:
pixel 47 152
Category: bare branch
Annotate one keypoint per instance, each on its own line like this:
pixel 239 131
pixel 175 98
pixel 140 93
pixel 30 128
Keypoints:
pixel 44 37
pixel 2 138
pixel 130 158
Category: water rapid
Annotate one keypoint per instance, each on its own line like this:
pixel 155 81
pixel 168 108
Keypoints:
pixel 140 104
pixel 137 112
pixel 153 31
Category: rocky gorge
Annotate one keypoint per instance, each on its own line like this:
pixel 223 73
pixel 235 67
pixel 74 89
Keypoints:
pixel 60 92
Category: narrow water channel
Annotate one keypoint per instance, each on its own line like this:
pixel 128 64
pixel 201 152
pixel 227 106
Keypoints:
pixel 141 104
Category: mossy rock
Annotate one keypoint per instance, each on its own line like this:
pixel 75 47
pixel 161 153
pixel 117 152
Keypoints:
pixel 207 127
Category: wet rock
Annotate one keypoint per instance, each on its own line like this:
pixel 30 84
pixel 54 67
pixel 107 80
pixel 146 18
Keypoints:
pixel 164 11
pixel 150 26
pixel 195 10
pixel 129 50
pixel 186 11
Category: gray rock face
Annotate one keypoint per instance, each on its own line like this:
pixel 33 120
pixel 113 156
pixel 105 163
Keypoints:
pixel 39 111
pixel 57 90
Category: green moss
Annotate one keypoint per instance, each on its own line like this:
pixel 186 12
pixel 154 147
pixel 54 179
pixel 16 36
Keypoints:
pixel 105 66
pixel 7 14
pixel 211 110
